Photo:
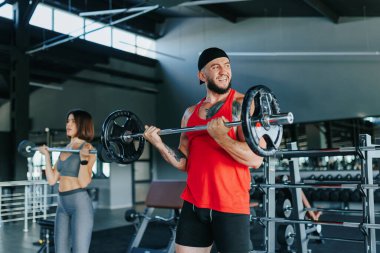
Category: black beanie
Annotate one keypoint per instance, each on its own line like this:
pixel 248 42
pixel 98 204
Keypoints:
pixel 208 55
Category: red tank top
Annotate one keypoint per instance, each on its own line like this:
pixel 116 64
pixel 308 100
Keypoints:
pixel 215 180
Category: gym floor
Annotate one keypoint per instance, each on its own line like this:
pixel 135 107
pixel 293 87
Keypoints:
pixel 13 239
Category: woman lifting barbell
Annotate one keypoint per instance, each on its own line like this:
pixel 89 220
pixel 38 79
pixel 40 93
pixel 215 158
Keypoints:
pixel 74 218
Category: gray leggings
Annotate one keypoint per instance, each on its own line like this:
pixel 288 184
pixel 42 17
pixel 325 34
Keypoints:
pixel 73 222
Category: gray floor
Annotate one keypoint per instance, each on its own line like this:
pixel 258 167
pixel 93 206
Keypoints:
pixel 14 240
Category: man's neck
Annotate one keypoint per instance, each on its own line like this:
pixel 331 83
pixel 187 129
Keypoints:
pixel 213 97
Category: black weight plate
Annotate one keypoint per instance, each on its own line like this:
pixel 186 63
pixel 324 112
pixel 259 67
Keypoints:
pixel 26 148
pixel 116 126
pixel 254 127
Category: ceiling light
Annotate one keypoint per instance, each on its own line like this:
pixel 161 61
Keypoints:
pixel 46 86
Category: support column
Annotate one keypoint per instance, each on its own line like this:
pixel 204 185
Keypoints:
pixel 298 212
pixel 19 88
pixel 270 204
pixel 316 139
pixel 368 199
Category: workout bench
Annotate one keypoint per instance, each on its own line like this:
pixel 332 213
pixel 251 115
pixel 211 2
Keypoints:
pixel 46 235
pixel 163 194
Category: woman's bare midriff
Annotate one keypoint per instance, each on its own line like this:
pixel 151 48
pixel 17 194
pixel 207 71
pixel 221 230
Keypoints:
pixel 68 183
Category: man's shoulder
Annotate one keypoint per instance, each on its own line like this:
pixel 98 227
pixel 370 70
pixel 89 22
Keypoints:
pixel 189 110
pixel 239 97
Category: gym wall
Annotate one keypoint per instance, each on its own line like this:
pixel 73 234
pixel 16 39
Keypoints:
pixel 312 87
pixel 48 107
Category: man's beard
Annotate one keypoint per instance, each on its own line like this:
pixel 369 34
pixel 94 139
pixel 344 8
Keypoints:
pixel 213 87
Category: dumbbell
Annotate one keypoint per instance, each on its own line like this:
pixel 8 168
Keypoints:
pixel 348 177
pixel 131 215
pixel 316 195
pixel 325 195
pixel 308 193
pixel 334 195
pixel 356 195
pixel 344 195
pixel 358 177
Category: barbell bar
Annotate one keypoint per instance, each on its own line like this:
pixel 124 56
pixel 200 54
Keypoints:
pixel 279 119
pixel 323 152
pixel 332 210
pixel 122 131
pixel 319 185
pixel 27 149
pixel 327 223
pixel 314 237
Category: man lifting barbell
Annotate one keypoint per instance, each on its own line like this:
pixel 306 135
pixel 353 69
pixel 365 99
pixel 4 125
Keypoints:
pixel 216 197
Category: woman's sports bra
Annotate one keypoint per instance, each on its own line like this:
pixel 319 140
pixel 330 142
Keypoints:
pixel 70 166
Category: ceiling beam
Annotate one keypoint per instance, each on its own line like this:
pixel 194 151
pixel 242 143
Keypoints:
pixel 323 9
pixel 30 10
pixel 166 3
pixel 99 69
pixel 222 12
pixel 92 81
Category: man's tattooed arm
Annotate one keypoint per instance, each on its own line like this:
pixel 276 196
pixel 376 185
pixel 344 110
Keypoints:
pixel 176 153
pixel 236 111
pixel 213 109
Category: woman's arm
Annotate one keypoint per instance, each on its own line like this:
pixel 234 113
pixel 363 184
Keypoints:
pixel 52 175
pixel 85 171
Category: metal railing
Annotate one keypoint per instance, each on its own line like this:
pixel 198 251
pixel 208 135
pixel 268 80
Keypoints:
pixel 26 200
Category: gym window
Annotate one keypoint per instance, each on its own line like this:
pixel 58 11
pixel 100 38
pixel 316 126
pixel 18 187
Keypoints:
pixel 6 11
pixel 70 24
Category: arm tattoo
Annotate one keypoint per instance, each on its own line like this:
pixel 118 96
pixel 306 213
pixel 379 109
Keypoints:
pixel 178 155
pixel 213 109
pixel 236 111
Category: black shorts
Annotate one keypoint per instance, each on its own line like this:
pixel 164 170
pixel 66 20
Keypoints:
pixel 200 227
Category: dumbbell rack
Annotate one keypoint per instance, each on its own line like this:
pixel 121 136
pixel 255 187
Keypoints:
pixel 298 213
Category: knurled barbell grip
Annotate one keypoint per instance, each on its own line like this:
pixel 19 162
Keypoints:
pixel 278 119
pixel 92 151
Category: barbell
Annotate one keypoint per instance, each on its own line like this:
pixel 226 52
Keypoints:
pixel 27 149
pixel 122 131
pixel 122 138
pixel 327 223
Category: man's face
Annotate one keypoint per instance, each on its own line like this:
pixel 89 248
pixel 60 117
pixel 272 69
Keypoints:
pixel 217 75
